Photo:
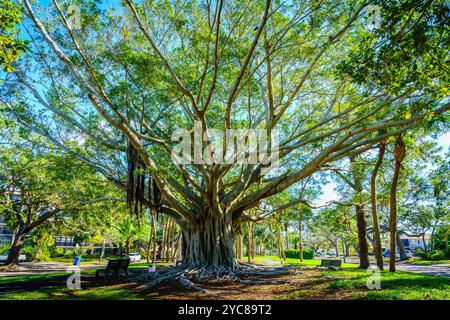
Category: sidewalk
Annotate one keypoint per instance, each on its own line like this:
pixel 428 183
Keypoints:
pixel 35 268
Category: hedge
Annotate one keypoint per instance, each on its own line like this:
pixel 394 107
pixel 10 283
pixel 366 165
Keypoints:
pixel 295 253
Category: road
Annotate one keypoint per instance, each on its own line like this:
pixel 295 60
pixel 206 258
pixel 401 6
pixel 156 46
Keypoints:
pixel 432 269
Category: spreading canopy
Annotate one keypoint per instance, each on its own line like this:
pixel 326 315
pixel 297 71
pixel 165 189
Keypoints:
pixel 139 71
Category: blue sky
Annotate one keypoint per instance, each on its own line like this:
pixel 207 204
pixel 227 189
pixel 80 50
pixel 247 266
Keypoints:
pixel 328 189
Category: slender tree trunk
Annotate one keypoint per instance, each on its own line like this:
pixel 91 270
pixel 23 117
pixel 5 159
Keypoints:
pixel 362 238
pixel 344 254
pixel 14 252
pixel 252 242
pixel 163 243
pixel 238 245
pixel 432 237
pixel 281 253
pixel 300 239
pixel 336 247
pixel 249 240
pixel 401 248
pixel 168 242
pixel 446 239
pixel 373 199
pixel 361 223
pixel 154 238
pixel 424 243
pixel 399 155
pixel 286 226
pixel 14 235
pixel 102 252
pixel 149 245
pixel 128 246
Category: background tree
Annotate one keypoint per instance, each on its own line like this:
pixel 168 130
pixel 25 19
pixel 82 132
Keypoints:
pixel 11 47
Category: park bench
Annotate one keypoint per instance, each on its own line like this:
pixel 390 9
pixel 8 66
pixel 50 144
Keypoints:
pixel 330 263
pixel 114 266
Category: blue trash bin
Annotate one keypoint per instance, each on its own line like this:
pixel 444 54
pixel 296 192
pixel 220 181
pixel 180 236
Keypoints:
pixel 76 261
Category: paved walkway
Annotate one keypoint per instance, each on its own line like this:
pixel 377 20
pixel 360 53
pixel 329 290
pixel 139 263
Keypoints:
pixel 32 268
pixel 431 269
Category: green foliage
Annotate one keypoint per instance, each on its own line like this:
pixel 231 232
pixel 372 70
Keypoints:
pixel 437 255
pixel 10 46
pixel 410 47
pixel 295 253
pixel 5 248
pixel 56 251
pixel 37 246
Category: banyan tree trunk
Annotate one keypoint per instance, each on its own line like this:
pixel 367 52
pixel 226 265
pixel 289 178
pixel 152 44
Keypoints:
pixel 399 155
pixel 209 242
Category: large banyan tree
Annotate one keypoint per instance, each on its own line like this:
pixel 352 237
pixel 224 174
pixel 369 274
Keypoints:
pixel 99 80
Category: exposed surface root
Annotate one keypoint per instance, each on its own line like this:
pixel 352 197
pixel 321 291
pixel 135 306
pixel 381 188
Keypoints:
pixel 248 274
pixel 188 284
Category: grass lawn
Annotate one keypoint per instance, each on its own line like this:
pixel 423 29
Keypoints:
pixel 13 278
pixel 311 283
pixel 265 259
pixel 428 262
pixel 57 293
pixel 394 286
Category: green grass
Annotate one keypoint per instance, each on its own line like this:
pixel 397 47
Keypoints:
pixel 13 278
pixel 428 262
pixel 348 283
pixel 290 261
pixel 57 293
pixel 394 286
pixel 40 276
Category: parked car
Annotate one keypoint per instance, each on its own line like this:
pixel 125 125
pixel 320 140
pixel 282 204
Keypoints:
pixel 331 252
pixel 409 253
pixel 134 257
pixel 4 257
pixel 319 253
pixel 387 254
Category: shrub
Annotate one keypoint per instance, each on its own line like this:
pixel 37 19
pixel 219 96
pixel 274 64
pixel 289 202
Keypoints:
pixel 56 252
pixel 436 255
pixel 70 254
pixel 295 253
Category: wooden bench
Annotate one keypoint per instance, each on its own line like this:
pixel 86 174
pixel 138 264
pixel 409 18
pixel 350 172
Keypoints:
pixel 330 263
pixel 114 266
